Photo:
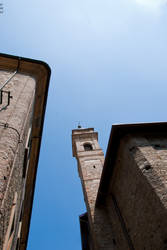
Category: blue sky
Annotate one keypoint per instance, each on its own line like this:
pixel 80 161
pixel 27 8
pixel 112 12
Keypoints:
pixel 108 61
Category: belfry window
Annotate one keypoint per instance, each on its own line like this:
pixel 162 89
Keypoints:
pixel 88 147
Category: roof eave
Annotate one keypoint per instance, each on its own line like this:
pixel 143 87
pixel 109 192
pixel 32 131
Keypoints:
pixel 117 132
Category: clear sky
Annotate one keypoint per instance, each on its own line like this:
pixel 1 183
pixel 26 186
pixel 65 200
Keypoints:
pixel 109 65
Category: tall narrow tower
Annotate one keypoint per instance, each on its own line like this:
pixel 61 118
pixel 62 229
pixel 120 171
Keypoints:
pixel 90 160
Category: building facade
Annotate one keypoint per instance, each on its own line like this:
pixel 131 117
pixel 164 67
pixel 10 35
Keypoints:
pixel 126 197
pixel 23 92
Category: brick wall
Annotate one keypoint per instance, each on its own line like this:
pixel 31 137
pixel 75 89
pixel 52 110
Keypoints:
pixel 13 136
pixel 139 189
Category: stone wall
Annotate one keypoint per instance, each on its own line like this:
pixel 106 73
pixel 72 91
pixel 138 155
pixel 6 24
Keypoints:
pixel 15 121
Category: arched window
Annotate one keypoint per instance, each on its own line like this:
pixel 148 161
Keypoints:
pixel 88 147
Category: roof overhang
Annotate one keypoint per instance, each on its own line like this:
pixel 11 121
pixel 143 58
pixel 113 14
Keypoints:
pixel 118 132
pixel 40 71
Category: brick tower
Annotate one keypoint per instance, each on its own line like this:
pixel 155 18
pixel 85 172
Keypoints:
pixel 90 159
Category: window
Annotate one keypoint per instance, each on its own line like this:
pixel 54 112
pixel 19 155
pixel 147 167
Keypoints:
pixel 27 152
pixel 88 147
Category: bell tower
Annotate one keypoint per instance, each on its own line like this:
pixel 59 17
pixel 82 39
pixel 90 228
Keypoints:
pixel 90 159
